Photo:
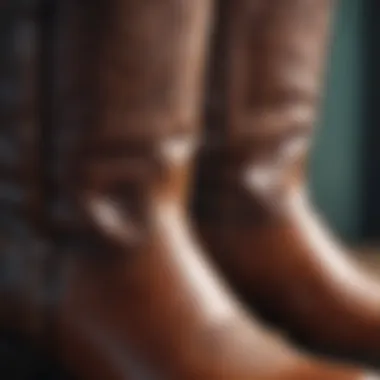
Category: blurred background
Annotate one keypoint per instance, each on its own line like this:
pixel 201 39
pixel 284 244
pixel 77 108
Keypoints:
pixel 345 166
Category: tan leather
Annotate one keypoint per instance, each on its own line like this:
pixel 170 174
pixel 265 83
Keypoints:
pixel 138 299
pixel 252 207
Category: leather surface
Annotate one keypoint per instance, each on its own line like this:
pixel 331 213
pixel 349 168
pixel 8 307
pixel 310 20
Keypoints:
pixel 252 205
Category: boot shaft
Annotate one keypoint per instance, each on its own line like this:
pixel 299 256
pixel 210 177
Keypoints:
pixel 275 53
pixel 276 60
pixel 128 99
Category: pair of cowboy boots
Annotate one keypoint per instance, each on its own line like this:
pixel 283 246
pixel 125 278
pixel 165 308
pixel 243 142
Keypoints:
pixel 98 251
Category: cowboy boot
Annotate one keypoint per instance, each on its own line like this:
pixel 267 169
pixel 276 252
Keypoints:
pixel 252 206
pixel 135 296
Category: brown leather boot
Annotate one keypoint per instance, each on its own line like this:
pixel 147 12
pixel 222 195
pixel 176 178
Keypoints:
pixel 252 207
pixel 137 298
